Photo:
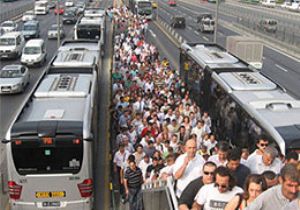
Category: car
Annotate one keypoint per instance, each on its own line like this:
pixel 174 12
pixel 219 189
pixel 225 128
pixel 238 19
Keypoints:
pixel 205 22
pixel 69 17
pixel 268 25
pixel 69 3
pixel 178 22
pixel 52 32
pixel 73 10
pixel 51 5
pixel 60 11
pixel 9 26
pixel 31 29
pixel 80 7
pixel 11 45
pixel 268 3
pixel 172 3
pixel 34 53
pixel 14 78
pixel 29 15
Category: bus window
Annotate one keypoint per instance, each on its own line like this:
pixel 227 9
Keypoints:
pixel 47 157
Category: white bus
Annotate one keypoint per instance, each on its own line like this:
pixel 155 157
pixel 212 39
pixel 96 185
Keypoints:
pixel 143 8
pixel 50 143
pixel 41 7
pixel 92 28
pixel 243 103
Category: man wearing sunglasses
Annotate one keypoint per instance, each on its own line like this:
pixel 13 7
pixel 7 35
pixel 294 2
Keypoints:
pixel 261 143
pixel 215 196
pixel 186 199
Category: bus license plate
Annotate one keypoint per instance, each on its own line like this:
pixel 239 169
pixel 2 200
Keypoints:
pixel 55 194
pixel 51 204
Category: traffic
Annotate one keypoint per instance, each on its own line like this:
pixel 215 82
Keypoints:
pixel 130 90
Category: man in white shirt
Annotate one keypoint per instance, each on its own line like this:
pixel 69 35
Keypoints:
pixel 199 130
pixel 268 161
pixel 220 159
pixel 215 196
pixel 120 159
pixel 261 143
pixel 188 166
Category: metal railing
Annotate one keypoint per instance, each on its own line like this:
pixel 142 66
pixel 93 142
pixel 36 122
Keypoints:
pixel 159 195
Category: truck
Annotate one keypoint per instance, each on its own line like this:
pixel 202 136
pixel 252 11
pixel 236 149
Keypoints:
pixel 247 49
pixel 206 22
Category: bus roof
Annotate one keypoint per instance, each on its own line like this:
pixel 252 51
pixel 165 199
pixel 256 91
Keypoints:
pixel 75 57
pixel 265 102
pixel 80 44
pixel 212 56
pixel 92 20
pixel 60 97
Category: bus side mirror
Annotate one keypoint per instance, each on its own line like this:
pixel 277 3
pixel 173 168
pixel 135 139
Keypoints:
pixel 4 141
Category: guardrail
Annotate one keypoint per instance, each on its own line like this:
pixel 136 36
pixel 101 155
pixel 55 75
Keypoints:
pixel 159 195
pixel 15 12
pixel 287 41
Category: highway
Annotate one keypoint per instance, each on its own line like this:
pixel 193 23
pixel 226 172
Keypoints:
pixel 280 67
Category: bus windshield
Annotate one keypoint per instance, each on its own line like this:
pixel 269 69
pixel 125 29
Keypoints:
pixel 47 157
pixel 144 4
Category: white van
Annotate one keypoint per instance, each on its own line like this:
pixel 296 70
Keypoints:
pixel 269 3
pixel 11 44
pixel 34 52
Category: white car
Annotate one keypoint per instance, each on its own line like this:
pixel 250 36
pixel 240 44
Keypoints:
pixel 52 32
pixel 29 15
pixel 34 53
pixel 14 78
pixel 294 7
pixel 9 26
pixel 69 3
pixel 11 44
pixel 269 3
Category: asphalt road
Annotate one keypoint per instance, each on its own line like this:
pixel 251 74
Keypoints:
pixel 282 69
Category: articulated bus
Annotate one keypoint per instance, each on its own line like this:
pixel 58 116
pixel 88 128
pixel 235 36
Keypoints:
pixel 50 143
pixel 243 103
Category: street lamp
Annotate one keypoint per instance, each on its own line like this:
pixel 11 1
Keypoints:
pixel 58 24
pixel 217 20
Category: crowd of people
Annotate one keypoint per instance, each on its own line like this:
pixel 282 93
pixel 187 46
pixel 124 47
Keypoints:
pixel 161 132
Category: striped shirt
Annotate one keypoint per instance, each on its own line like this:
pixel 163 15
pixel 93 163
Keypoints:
pixel 134 177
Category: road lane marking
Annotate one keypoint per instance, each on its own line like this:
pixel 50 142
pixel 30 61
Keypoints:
pixel 189 27
pixel 220 33
pixel 263 57
pixel 152 33
pixel 281 68
pixel 196 32
pixel 205 38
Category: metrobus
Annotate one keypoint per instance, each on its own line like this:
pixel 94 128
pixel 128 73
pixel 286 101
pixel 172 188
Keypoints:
pixel 91 27
pixel 243 102
pixel 143 8
pixel 50 143
pixel 41 7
